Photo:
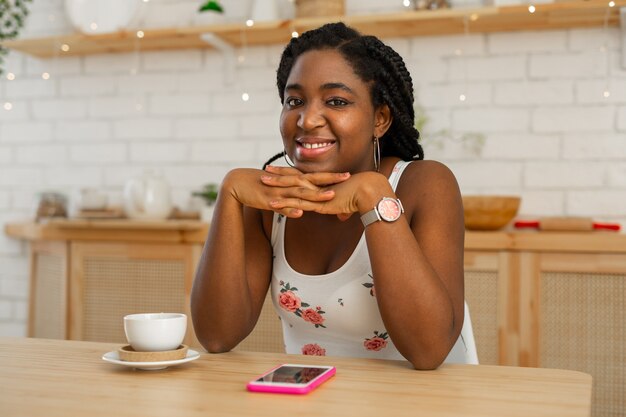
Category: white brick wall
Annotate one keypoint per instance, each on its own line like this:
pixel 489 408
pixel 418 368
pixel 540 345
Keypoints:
pixel 535 98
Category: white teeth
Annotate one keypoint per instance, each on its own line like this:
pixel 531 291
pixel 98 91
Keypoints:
pixel 315 145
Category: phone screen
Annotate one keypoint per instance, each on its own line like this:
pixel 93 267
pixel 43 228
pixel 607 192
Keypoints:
pixel 292 374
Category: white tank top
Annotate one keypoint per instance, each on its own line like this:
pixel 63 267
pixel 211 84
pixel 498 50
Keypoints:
pixel 334 314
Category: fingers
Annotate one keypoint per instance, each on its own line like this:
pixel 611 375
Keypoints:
pixel 289 177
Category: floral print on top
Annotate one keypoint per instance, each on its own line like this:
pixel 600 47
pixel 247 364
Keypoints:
pixel 289 301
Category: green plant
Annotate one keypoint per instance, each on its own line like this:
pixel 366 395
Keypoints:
pixel 208 193
pixel 213 6
pixel 12 16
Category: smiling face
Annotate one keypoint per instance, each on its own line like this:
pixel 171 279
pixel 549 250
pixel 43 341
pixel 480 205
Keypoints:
pixel 328 120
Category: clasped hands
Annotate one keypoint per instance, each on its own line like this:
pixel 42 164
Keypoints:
pixel 293 192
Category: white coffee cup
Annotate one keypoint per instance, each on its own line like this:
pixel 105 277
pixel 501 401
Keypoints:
pixel 153 332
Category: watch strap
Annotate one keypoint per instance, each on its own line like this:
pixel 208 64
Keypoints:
pixel 370 217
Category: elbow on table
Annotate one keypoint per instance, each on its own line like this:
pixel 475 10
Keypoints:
pixel 213 345
pixel 426 364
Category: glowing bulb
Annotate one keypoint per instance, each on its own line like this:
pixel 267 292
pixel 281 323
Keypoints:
pixel 462 97
pixel 249 23
pixel 606 93
pixel 140 34
pixel 245 97
pixel 406 3
pixel 10 76
pixel 611 4
pixel 294 34
pixel 145 1
pixel 531 9
pixel 93 26
pixel 65 47
pixel 474 17
pixel 8 106
pixel 45 76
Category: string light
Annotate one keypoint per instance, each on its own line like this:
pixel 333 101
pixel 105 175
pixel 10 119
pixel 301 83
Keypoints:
pixel 8 106
pixel 65 47
pixel 462 97
pixel 245 97
pixel 406 3
pixel 140 34
pixel 249 23
pixel 606 94
pixel 294 34
pixel 10 76
pixel 93 26
pixel 531 9
pixel 611 4
pixel 45 76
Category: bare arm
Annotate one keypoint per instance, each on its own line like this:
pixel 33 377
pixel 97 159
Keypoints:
pixel 417 263
pixel 228 293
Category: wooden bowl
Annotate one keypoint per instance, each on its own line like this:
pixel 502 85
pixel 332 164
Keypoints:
pixel 128 354
pixel 483 212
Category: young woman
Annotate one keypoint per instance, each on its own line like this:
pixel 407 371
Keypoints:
pixel 361 239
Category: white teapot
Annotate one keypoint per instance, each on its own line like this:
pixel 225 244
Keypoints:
pixel 147 198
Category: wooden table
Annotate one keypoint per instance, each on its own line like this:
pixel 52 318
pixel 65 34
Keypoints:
pixel 40 377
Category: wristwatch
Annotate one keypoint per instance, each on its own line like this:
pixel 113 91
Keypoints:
pixel 387 209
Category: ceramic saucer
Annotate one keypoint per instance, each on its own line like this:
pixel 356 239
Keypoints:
pixel 114 357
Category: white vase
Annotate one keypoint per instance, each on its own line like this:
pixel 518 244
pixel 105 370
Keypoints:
pixel 101 16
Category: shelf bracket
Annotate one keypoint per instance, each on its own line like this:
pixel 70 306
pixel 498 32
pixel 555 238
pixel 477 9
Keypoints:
pixel 622 25
pixel 227 50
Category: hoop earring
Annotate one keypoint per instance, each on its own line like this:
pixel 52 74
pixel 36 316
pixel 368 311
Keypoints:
pixel 376 154
pixel 287 160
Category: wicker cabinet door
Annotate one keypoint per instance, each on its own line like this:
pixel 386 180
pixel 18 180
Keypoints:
pixel 111 280
pixel 48 290
pixel 481 295
pixel 582 323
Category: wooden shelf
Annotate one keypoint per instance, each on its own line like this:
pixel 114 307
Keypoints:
pixel 561 15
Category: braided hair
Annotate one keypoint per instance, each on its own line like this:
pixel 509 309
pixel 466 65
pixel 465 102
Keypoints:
pixel 376 64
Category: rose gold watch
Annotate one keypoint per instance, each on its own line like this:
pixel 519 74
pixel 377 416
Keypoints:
pixel 387 209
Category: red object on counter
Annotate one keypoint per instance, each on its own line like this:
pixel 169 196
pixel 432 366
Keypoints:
pixel 559 224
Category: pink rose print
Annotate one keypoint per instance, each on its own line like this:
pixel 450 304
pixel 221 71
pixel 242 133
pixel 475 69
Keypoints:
pixel 313 349
pixel 314 316
pixel 289 301
pixel 370 285
pixel 376 343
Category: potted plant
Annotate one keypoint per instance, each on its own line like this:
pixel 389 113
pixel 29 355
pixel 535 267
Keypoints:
pixel 209 195
pixel 209 12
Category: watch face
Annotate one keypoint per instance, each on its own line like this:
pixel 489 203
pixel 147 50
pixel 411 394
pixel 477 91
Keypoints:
pixel 389 209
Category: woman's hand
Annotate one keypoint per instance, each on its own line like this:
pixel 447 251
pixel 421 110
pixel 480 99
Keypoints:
pixel 276 187
pixel 344 191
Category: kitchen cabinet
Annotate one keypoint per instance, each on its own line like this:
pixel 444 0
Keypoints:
pixel 559 15
pixel 539 299
pixel 553 300
pixel 87 275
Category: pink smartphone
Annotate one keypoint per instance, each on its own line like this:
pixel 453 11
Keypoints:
pixel 291 379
